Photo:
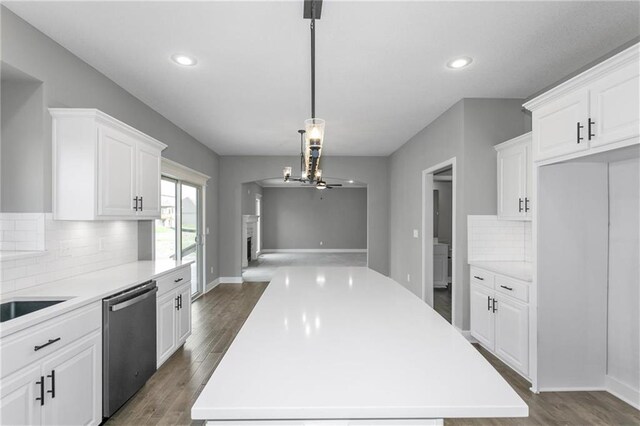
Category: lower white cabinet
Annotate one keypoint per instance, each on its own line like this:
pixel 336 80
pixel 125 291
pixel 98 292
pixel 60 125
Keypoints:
pixel 62 388
pixel 500 323
pixel 174 320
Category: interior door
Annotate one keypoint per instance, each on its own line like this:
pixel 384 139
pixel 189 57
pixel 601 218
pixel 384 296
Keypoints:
pixel 191 233
pixel 512 333
pixel 73 383
pixel 18 393
pixel 558 127
pixel 116 179
pixel 512 166
pixel 482 318
pixel 148 159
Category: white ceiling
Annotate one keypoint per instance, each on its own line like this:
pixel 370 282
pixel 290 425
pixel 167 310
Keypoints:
pixel 381 74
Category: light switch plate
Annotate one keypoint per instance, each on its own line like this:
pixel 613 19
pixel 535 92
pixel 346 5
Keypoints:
pixel 416 233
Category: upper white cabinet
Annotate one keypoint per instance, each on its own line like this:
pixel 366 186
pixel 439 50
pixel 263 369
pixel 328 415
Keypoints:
pixel 102 168
pixel 514 178
pixel 594 111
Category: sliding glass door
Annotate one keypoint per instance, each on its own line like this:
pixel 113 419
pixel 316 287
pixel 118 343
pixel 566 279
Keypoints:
pixel 178 232
pixel 190 228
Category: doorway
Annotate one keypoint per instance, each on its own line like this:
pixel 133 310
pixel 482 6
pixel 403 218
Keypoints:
pixel 178 232
pixel 439 288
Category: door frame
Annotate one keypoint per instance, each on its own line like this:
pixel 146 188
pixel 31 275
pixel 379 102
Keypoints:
pixel 427 234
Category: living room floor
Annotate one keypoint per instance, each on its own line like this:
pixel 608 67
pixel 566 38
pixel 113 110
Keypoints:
pixel 263 269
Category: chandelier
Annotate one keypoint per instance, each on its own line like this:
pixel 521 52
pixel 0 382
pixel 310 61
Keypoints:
pixel 312 137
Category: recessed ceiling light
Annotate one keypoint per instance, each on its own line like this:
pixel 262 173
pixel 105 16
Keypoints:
pixel 458 63
pixel 184 60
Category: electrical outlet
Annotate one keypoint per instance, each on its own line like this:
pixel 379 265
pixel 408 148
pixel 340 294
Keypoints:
pixel 212 269
pixel 416 234
pixel 207 230
pixel 408 278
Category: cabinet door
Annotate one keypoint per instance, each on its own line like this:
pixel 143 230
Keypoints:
pixel 73 383
pixel 440 272
pixel 18 393
pixel 116 179
pixel 148 180
pixel 512 333
pixel 556 128
pixel 615 106
pixel 512 174
pixel 184 314
pixel 166 326
pixel 482 318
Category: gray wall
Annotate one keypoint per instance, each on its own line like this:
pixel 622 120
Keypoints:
pixel 70 82
pixel 301 218
pixel 236 170
pixel 467 131
pixel 249 192
pixel 22 134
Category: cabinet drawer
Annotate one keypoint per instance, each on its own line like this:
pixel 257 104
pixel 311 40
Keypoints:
pixel 482 277
pixel 173 280
pixel 18 350
pixel 514 288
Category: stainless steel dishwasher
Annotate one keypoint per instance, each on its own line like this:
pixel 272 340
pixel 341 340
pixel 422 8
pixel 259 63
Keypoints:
pixel 129 344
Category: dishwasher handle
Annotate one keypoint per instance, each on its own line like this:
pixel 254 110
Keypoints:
pixel 134 300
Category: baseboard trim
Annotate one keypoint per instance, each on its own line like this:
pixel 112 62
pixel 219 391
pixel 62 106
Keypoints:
pixel 229 280
pixel 213 284
pixel 572 389
pixel 623 391
pixel 467 335
pixel 313 251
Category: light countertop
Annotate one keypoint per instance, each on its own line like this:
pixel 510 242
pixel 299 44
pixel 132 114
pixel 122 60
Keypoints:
pixel 84 289
pixel 519 270
pixel 349 343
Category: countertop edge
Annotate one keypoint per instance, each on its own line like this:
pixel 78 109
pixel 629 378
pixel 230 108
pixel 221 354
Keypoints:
pixel 7 329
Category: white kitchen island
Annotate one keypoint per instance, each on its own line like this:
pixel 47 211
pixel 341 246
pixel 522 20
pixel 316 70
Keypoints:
pixel 348 346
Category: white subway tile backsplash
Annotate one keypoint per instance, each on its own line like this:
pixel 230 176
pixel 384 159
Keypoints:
pixel 72 248
pixel 490 239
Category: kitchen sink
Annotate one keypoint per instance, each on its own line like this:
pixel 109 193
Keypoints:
pixel 18 308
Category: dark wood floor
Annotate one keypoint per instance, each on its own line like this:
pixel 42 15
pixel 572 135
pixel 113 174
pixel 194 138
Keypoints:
pixel 442 302
pixel 217 316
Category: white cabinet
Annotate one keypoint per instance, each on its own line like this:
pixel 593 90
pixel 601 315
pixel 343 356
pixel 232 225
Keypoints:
pixel 183 325
pixel 500 318
pixel 174 317
pixel 512 332
pixel 615 106
pixel 440 265
pixel 482 319
pixel 73 382
pixel 598 107
pixel 514 178
pixel 18 393
pixel 167 319
pixel 59 381
pixel 116 168
pixel 102 168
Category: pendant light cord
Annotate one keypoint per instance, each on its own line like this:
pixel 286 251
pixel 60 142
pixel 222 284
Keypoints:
pixel 313 68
